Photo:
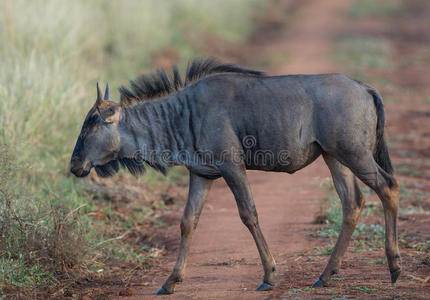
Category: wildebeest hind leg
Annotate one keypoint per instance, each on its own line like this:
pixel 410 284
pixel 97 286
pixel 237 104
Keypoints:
pixel 387 188
pixel 198 190
pixel 235 176
pixel 352 204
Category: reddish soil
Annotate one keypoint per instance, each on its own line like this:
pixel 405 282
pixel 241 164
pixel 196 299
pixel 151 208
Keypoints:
pixel 223 261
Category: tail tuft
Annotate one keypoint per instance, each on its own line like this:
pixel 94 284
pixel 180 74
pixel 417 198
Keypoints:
pixel 382 157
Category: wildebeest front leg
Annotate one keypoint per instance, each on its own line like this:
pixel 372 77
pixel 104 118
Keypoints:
pixel 198 190
pixel 235 176
pixel 352 205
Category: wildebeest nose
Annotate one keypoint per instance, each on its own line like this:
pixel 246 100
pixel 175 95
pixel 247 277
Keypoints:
pixel 75 165
pixel 74 169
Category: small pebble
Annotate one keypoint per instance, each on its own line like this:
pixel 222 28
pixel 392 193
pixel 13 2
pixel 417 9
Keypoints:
pixel 126 292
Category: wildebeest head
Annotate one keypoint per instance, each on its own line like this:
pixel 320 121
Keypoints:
pixel 99 141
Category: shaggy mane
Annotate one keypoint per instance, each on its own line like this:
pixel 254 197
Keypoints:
pixel 161 84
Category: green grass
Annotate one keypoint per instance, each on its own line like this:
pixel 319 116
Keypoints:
pixel 364 289
pixel 367 56
pixel 327 250
pixel 52 53
pixel 372 8
pixel 359 53
pixel 408 169
pixel 16 272
pixel 295 291
pixel 379 262
pixel 366 237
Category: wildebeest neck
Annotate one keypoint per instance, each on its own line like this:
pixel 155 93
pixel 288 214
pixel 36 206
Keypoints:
pixel 160 129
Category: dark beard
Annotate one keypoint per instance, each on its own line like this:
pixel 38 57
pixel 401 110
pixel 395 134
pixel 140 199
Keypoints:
pixel 108 169
pixel 135 166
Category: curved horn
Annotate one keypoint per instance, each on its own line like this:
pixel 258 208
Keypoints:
pixel 106 97
pixel 99 95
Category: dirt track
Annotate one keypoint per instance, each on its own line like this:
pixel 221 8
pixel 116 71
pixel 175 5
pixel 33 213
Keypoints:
pixel 223 261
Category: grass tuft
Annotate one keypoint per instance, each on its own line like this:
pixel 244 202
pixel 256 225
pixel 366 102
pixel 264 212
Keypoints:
pixel 364 289
pixel 367 236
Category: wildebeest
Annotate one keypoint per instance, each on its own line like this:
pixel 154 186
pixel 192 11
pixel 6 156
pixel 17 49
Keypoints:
pixel 224 119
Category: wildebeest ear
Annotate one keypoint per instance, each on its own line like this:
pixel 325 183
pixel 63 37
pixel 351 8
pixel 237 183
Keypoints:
pixel 106 109
pixel 109 112
pixel 106 97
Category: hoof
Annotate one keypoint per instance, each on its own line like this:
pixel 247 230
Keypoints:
pixel 394 275
pixel 264 287
pixel 319 283
pixel 163 291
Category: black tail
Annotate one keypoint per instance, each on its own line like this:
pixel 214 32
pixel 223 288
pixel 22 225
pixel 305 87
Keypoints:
pixel 381 153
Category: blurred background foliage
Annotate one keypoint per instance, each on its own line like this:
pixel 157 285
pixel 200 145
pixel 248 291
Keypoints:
pixel 51 54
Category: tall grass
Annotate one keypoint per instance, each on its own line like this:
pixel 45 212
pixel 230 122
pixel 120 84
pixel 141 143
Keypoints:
pixel 51 54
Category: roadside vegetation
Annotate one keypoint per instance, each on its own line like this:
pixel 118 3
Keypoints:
pixel 52 53
pixel 366 237
pixel 370 230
